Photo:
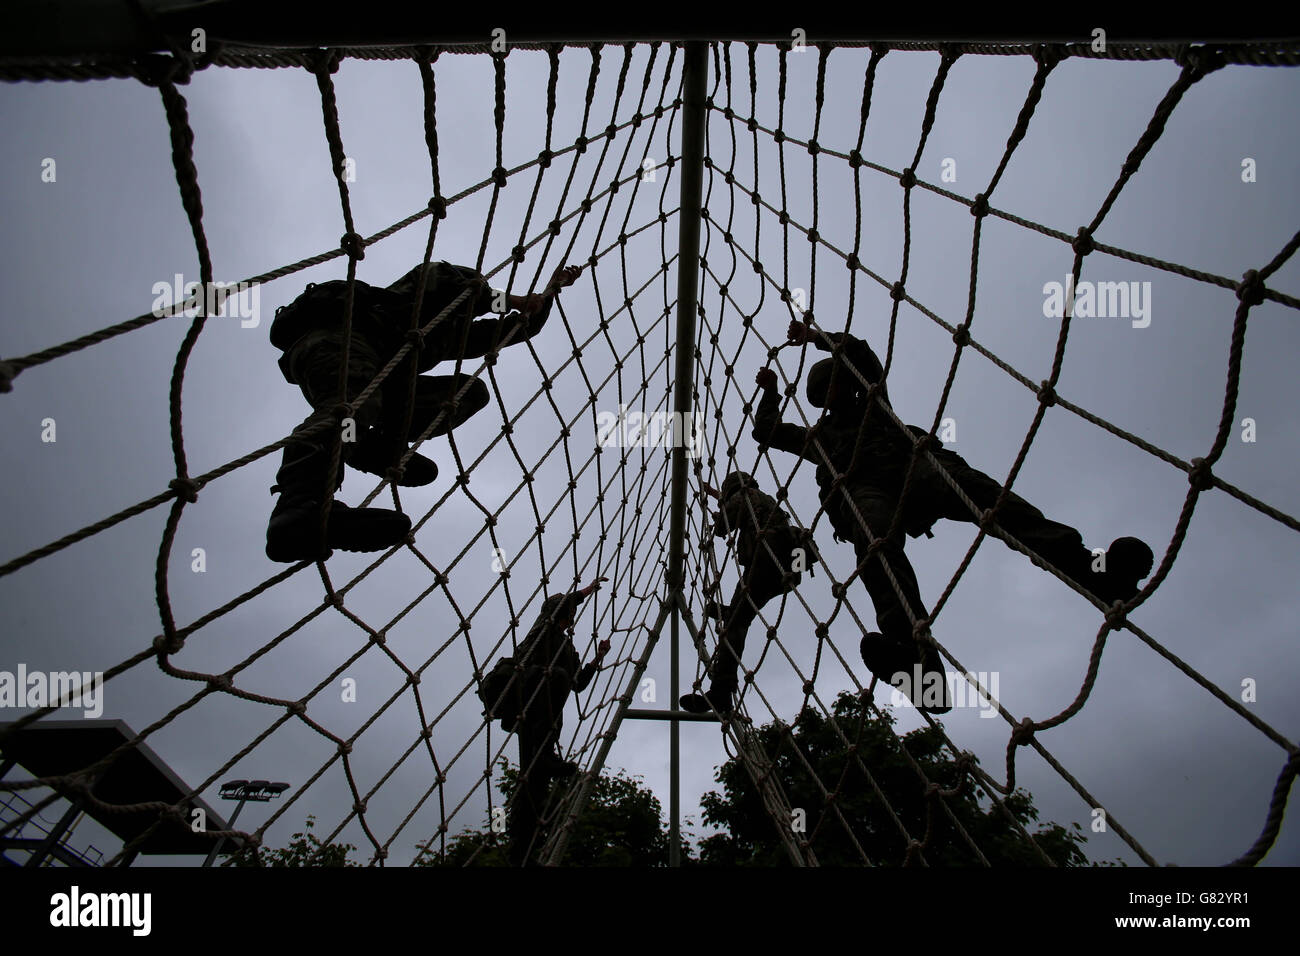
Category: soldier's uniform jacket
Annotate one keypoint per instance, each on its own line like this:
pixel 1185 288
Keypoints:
pixel 772 523
pixel 381 317
pixel 548 643
pixel 830 442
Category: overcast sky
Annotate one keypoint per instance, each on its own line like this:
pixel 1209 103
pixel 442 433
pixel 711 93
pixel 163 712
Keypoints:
pixel 1188 777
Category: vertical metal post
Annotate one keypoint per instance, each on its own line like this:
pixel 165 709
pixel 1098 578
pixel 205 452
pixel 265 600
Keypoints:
pixel 695 70
pixel 230 825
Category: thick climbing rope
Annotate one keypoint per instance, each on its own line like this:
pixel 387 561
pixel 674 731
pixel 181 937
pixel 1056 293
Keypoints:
pixel 633 532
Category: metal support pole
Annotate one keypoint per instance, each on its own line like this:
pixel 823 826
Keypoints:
pixel 230 825
pixel 39 855
pixel 695 71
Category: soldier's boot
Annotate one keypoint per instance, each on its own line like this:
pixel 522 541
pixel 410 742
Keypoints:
pixel 926 684
pixel 374 454
pixel 554 766
pixel 294 531
pixel 717 698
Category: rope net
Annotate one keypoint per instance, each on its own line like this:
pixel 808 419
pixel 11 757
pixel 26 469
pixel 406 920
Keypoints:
pixel 551 509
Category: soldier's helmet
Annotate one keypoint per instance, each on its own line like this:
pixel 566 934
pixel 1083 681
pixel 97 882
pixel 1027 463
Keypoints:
pixel 735 482
pixel 818 381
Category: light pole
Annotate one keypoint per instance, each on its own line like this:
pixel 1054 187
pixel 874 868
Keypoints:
pixel 260 791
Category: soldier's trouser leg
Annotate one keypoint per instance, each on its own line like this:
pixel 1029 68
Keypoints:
pixel 304 480
pixel 898 651
pixel 877 508
pixel 761 582
pixel 538 731
pixel 1058 544
pixel 432 392
pixel 316 367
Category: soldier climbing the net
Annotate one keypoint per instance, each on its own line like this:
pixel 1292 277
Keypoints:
pixel 772 554
pixel 311 333
pixel 528 693
pixel 857 438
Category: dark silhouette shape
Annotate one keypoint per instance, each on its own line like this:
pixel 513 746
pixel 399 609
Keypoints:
pixel 857 822
pixel 858 439
pixel 310 332
pixel 621 825
pixel 528 693
pixel 759 524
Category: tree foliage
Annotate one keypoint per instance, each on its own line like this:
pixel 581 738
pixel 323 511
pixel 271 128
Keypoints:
pixel 749 837
pixel 305 849
pixel 622 825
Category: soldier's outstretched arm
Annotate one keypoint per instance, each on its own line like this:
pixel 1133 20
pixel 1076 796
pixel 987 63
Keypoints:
pixel 528 319
pixel 768 428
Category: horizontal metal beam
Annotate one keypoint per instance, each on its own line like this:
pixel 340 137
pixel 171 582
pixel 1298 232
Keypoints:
pixel 102 28
pixel 674 715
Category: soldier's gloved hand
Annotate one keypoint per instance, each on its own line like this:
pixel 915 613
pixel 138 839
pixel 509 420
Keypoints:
pixel 799 332
pixel 602 649
pixel 765 379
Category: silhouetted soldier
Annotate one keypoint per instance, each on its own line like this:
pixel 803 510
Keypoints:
pixel 310 333
pixel 858 439
pixel 548 670
pixel 759 524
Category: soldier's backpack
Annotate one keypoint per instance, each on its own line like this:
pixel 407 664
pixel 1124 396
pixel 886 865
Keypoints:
pixel 502 693
pixel 321 306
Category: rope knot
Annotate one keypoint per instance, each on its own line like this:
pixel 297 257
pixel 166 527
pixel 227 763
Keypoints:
pixel 855 159
pixel 187 489
pixel 961 335
pixel 353 245
pixel 155 69
pixel 163 645
pixel 1083 244
pixel 326 62
pixel 439 206
pixel 1047 54
pixel 416 338
pixel 908 179
pixel 813 236
pixel 1200 60
pixel 813 148
pixel 980 207
pixel 1115 617
pixel 517 253
pixel 544 158
pixel 8 372
pixel 897 292
pixel 1251 289
pixel 1023 733
pixel 581 143
pixel 1201 477
pixel 499 177
pixel 220 682
pixel 779 136
pixel 1047 394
